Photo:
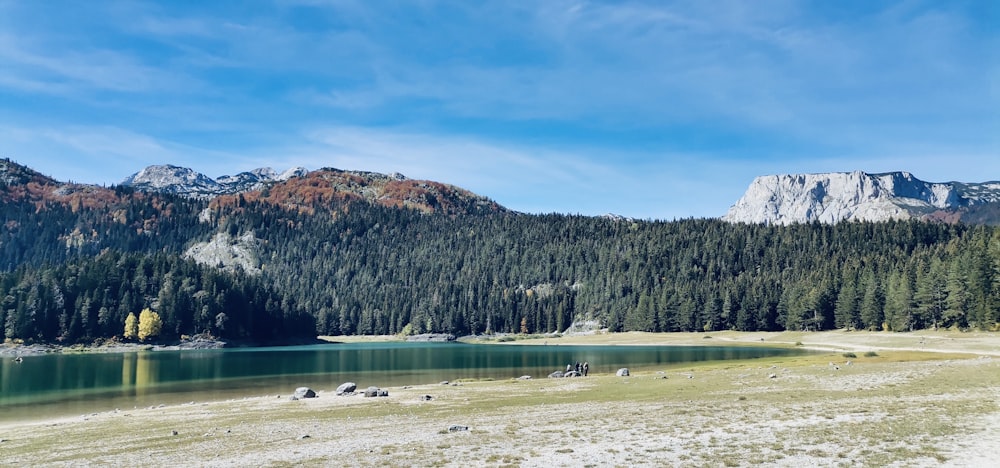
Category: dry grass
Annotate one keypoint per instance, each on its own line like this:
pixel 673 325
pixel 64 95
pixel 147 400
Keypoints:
pixel 905 407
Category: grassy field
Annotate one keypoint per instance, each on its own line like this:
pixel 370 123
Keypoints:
pixel 926 399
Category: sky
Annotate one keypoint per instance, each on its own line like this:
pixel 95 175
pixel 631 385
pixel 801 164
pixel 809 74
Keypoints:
pixel 648 109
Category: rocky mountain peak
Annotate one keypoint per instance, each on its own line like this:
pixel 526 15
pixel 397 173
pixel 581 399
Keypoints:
pixel 168 178
pixel 857 196
pixel 292 172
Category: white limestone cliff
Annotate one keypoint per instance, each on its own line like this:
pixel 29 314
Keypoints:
pixel 852 196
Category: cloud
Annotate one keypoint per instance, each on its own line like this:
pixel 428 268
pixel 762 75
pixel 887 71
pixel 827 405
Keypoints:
pixel 96 154
pixel 632 107
pixel 34 68
pixel 525 178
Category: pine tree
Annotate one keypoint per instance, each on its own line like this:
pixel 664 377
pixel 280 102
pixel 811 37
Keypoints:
pixel 872 303
pixel 846 312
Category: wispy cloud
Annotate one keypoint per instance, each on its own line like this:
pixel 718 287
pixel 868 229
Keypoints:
pixel 524 178
pixel 37 68
pixel 100 154
pixel 544 106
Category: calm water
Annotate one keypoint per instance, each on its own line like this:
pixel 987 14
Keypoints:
pixel 73 384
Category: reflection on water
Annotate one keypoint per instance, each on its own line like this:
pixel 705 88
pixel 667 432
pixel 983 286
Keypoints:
pixel 139 373
pixel 84 383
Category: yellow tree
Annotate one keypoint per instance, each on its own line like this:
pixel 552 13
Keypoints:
pixel 131 327
pixel 149 324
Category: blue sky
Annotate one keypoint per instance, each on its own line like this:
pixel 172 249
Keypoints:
pixel 659 110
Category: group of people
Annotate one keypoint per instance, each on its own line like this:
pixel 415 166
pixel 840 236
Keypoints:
pixel 582 369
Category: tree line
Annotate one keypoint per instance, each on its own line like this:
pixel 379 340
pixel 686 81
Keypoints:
pixel 384 270
pixel 74 274
pixel 95 298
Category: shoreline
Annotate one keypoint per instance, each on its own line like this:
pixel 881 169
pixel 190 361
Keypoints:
pixel 925 399
pixel 971 342
pixel 191 343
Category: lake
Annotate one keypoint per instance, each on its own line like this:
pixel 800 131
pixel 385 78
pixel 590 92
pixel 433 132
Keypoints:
pixel 74 384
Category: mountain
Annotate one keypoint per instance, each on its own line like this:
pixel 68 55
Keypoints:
pixel 22 184
pixel 328 185
pixel 168 178
pixel 245 181
pixel 173 179
pixel 12 174
pixel 300 189
pixel 347 252
pixel 859 196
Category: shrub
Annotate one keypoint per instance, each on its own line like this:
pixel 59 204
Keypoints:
pixel 849 355
pixel 871 354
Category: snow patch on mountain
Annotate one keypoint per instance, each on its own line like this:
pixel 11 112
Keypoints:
pixel 853 196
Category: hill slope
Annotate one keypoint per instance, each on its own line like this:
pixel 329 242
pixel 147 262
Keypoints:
pixel 340 252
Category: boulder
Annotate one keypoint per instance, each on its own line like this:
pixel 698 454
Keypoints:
pixel 623 372
pixel 572 374
pixel 457 428
pixel 303 392
pixel 432 338
pixel 556 375
pixel 524 377
pixel 347 388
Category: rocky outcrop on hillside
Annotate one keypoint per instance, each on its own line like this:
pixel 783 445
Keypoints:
pixel 227 252
pixel 859 196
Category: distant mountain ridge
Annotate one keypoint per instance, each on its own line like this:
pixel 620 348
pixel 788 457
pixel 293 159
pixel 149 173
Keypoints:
pixel 168 178
pixel 860 196
pixel 296 188
pixel 301 189
pixel 395 190
pixel 772 199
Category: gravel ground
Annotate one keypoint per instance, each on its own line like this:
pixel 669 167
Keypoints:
pixel 897 409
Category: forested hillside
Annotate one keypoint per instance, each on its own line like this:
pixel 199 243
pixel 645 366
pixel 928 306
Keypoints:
pixel 72 269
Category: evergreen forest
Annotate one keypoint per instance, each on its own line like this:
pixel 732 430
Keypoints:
pixel 71 272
